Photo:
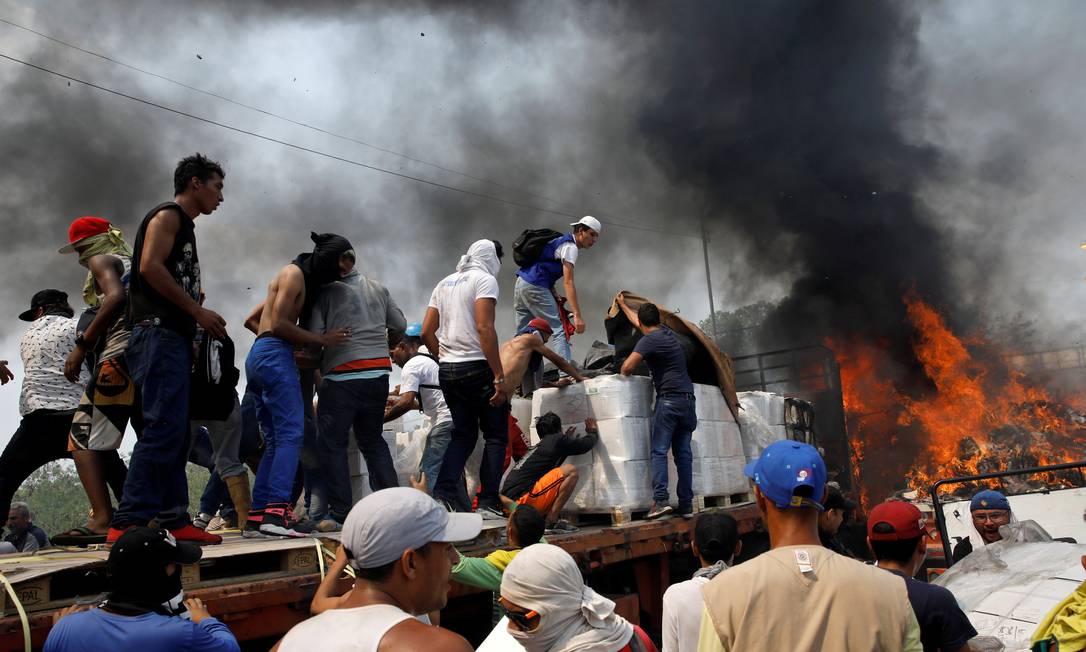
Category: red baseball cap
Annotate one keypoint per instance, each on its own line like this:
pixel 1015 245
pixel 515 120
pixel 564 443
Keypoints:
pixel 540 324
pixel 83 228
pixel 895 520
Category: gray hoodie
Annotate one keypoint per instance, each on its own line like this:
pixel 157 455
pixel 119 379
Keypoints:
pixel 362 305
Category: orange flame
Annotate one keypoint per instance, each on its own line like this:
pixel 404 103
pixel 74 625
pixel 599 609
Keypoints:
pixel 975 415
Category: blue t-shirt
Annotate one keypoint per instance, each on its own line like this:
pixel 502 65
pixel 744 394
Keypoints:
pixel 943 624
pixel 97 630
pixel 664 356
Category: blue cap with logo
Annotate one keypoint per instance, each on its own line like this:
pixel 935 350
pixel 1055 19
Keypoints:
pixel 989 499
pixel 785 466
pixel 414 329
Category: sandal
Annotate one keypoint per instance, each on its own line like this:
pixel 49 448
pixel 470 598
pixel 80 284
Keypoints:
pixel 79 536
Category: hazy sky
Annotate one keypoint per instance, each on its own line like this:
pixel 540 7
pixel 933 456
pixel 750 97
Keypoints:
pixel 547 99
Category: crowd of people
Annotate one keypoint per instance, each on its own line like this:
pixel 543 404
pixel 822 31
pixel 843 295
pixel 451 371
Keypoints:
pixel 146 352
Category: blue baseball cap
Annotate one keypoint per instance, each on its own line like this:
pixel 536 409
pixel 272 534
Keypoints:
pixel 414 329
pixel 989 499
pixel 783 467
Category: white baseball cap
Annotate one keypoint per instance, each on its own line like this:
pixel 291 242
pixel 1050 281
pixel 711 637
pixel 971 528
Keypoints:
pixel 590 222
pixel 386 523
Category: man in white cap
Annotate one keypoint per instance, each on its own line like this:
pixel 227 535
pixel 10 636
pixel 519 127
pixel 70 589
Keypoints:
pixel 400 543
pixel 534 294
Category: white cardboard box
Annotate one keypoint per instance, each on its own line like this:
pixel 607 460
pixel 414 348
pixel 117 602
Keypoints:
pixel 624 438
pixel 617 396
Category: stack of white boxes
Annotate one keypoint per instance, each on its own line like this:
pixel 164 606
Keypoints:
pixel 618 472
pixel 761 420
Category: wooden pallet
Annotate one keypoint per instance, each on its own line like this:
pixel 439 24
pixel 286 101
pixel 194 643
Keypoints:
pixel 616 517
pixel 724 500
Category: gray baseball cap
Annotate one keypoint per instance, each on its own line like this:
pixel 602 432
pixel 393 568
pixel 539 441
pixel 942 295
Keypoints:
pixel 386 523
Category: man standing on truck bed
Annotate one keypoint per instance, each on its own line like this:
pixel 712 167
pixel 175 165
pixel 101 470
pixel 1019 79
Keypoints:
pixel 673 416
pixel 163 311
pixel 271 370
pixel 534 295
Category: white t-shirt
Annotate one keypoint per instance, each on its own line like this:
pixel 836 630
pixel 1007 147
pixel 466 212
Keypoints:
pixel 683 607
pixel 567 253
pixel 344 630
pixel 421 370
pixel 44 348
pixel 454 297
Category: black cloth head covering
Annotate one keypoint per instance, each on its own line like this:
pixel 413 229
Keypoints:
pixel 321 267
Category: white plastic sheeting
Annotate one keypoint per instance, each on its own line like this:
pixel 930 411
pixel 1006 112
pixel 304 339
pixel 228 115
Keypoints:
pixel 616 396
pixel 756 433
pixel 1008 587
pixel 617 472
pixel 767 405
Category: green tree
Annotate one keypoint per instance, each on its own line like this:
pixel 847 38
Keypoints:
pixel 737 330
pixel 57 501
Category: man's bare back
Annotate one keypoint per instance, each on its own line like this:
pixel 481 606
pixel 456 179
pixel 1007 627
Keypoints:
pixel 517 353
pixel 286 296
pixel 279 313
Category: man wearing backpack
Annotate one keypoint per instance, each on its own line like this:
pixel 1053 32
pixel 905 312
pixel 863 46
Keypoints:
pixel 544 257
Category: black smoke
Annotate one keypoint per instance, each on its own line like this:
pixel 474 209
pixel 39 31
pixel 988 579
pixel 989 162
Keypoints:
pixel 791 120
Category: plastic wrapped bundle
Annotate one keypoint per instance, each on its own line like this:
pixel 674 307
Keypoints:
pixel 716 439
pixel 624 439
pixel 624 484
pixel 710 405
pixel 584 497
pixel 570 403
pixel 521 409
pixel 768 406
pixel 757 434
pixel 616 396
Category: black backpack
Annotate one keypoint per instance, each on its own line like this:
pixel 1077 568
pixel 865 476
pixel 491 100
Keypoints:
pixel 529 245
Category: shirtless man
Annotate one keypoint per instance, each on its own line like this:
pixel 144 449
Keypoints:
pixel 525 352
pixel 271 372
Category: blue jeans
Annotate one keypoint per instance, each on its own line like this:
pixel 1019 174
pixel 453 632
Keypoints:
pixel 673 422
pixel 311 474
pixel 437 442
pixel 159 360
pixel 216 496
pixel 273 377
pixel 359 403
pixel 531 301
pixel 467 387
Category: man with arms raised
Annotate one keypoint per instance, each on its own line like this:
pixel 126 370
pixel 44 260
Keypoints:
pixel 400 543
pixel 800 595
pixel 271 372
pixel 163 311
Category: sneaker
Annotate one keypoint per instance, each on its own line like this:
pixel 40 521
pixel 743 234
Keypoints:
pixel 657 510
pixel 115 533
pixel 561 526
pixel 251 529
pixel 276 523
pixel 202 520
pixel 686 511
pixel 193 534
pixel 491 513
pixel 329 525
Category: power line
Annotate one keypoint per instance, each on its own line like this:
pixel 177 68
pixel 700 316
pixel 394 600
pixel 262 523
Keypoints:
pixel 321 130
pixel 318 152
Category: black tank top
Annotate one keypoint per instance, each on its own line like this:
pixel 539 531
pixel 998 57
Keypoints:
pixel 183 264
